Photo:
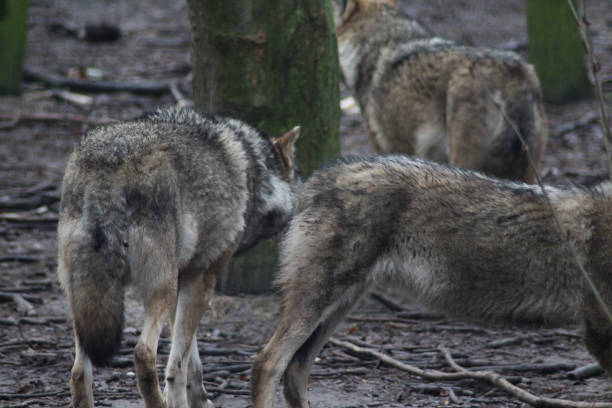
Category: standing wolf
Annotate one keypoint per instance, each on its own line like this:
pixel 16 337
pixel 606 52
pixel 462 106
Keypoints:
pixel 163 202
pixel 425 96
pixel 457 241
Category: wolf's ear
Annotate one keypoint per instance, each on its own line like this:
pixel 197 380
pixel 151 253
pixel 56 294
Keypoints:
pixel 285 145
pixel 343 10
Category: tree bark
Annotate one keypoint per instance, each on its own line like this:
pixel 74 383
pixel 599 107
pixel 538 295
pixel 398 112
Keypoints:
pixel 13 29
pixel 272 63
pixel 556 51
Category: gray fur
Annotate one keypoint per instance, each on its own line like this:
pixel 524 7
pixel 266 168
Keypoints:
pixel 163 202
pixel 457 241
pixel 426 96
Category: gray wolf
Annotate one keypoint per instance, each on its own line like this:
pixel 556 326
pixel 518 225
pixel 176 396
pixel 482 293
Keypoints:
pixel 457 241
pixel 163 202
pixel 429 97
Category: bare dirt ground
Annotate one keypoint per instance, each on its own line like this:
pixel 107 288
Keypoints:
pixel 36 346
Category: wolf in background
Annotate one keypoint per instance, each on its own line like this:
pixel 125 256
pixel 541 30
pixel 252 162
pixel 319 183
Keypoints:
pixel 457 241
pixel 163 202
pixel 426 96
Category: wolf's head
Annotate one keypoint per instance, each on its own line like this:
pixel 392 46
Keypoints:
pixel 345 10
pixel 274 192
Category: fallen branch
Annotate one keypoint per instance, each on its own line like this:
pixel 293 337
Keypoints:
pixel 506 342
pixel 15 118
pixel 58 81
pixel 518 392
pixel 582 373
pixel 8 297
pixel 19 258
pixel 181 100
pixel 227 391
pixel 341 372
pixel 462 373
pixel 7 203
pixel 389 303
pixel 586 120
pixel 23 305
pixel 38 395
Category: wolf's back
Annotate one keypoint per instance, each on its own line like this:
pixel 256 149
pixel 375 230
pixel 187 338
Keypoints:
pixel 93 267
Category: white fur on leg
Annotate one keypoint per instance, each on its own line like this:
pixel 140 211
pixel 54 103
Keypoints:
pixel 81 379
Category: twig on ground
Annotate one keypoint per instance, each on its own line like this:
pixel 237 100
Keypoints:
pixel 584 121
pixel 181 101
pixel 386 301
pixel 8 297
pixel 518 392
pixel 340 372
pixel 462 373
pixel 19 258
pixel 11 122
pixel 15 118
pixel 507 341
pixel 588 371
pixel 54 80
pixel 227 391
pixel 23 305
pixel 37 395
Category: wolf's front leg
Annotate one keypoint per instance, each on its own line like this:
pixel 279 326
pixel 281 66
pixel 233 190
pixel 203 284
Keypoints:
pixel 80 380
pixel 196 393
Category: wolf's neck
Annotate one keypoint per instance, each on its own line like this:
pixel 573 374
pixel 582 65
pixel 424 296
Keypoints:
pixel 349 54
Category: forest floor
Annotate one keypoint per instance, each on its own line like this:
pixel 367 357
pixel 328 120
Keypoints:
pixel 36 346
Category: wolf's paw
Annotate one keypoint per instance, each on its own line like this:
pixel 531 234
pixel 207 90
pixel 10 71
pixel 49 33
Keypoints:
pixel 208 404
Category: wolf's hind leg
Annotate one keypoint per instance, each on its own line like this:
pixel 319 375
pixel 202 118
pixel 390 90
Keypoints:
pixel 81 378
pixel 145 352
pixel 292 331
pixel 307 319
pixel 153 263
pixel 184 386
pixel 598 334
pixel 295 380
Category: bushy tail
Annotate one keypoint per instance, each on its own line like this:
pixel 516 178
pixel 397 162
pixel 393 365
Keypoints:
pixel 528 119
pixel 95 259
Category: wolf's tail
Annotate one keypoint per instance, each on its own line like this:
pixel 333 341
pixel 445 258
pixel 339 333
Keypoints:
pixel 526 116
pixel 93 252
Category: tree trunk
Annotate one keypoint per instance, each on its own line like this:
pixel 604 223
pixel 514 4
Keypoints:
pixel 556 50
pixel 13 29
pixel 273 63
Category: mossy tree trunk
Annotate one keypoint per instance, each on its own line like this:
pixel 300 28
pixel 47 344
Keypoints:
pixel 556 50
pixel 13 30
pixel 273 63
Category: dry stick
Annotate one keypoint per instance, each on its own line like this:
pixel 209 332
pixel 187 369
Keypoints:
pixel 51 79
pixel 462 373
pixel 181 101
pixel 520 393
pixel 595 67
pixel 15 117
pixel 387 302
pixel 385 358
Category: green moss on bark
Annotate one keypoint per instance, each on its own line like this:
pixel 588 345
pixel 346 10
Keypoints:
pixel 556 50
pixel 13 29
pixel 273 63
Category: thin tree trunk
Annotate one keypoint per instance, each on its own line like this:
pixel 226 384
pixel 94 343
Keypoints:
pixel 274 64
pixel 13 29
pixel 556 51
